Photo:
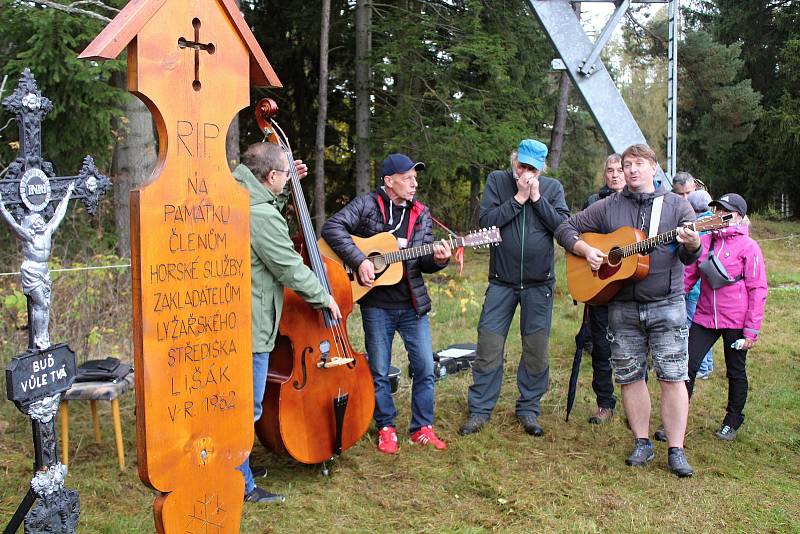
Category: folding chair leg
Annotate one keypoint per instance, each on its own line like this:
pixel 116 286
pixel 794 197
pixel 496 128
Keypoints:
pixel 64 413
pixel 95 421
pixel 118 434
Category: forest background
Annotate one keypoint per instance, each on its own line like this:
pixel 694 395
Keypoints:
pixel 454 83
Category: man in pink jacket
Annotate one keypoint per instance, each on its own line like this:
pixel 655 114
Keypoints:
pixel 733 291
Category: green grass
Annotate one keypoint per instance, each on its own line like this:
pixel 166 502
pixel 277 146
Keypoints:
pixel 573 479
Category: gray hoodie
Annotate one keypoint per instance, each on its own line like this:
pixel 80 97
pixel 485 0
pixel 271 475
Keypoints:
pixel 665 278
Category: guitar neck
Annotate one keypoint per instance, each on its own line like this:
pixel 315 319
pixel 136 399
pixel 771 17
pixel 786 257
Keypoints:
pixel 649 244
pixel 415 252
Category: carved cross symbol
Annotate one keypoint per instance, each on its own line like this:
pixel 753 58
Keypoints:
pixel 197 45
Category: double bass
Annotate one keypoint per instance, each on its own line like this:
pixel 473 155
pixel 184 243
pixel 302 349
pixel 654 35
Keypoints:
pixel 319 399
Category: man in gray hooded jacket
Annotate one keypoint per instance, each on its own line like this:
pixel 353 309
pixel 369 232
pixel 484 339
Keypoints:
pixel 648 315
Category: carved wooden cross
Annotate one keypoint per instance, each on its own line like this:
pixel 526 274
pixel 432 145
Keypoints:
pixel 190 257
pixel 198 46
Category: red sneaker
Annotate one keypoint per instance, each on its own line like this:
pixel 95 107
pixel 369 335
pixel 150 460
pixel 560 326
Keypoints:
pixel 425 436
pixel 387 440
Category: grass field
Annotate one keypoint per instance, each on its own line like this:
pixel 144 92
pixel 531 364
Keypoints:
pixel 573 479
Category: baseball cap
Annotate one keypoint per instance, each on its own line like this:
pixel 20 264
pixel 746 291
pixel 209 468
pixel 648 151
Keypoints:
pixel 532 152
pixel 731 202
pixel 396 163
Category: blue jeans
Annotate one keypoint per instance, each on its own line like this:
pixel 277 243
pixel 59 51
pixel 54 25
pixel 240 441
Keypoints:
pixel 707 364
pixel 260 366
pixel 380 325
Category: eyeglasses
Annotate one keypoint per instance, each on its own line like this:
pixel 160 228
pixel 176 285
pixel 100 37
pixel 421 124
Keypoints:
pixel 526 167
pixel 282 170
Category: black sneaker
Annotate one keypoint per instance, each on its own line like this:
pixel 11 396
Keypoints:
pixel 642 453
pixel 259 472
pixel 660 434
pixel 263 496
pixel 530 425
pixel 726 433
pixel 473 424
pixel 677 462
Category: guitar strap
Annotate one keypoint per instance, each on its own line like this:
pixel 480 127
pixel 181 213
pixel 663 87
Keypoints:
pixel 655 216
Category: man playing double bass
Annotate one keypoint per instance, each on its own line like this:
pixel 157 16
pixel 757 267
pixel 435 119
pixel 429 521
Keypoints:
pixel 275 264
pixel 401 307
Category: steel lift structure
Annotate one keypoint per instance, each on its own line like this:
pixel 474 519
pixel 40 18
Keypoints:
pixel 581 59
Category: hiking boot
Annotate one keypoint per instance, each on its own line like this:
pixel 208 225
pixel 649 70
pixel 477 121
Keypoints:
pixel 426 436
pixel 660 434
pixel 677 462
pixel 263 496
pixel 387 440
pixel 530 425
pixel 642 453
pixel 726 433
pixel 259 472
pixel 601 416
pixel 474 423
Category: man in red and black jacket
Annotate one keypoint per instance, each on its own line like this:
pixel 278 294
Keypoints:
pixel 402 307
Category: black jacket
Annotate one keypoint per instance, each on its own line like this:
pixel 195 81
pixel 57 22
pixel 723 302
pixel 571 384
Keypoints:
pixel 600 195
pixel 366 216
pixel 665 277
pixel 525 257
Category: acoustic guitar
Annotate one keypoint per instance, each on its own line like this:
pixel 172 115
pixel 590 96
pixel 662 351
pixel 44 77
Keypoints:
pixel 627 260
pixel 382 250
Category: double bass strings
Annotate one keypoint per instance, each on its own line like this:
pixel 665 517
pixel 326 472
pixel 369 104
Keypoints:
pixel 317 266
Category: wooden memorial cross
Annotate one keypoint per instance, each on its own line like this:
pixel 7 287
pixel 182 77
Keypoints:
pixel 190 257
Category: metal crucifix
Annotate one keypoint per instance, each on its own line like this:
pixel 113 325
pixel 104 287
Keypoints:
pixel 27 195
pixel 36 379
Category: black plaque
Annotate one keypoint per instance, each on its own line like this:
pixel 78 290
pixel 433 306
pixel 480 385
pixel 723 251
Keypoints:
pixel 43 373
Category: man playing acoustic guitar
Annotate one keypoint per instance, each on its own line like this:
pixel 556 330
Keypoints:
pixel 648 314
pixel 402 307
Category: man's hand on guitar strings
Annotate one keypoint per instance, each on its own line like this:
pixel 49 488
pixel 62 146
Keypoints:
pixel 688 238
pixel 366 273
pixel 594 257
pixel 441 251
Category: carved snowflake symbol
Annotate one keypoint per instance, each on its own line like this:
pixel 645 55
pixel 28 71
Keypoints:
pixel 207 517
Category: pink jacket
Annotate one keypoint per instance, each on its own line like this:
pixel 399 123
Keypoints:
pixel 738 305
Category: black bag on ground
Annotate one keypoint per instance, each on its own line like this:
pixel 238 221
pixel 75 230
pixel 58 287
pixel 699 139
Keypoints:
pixel 105 370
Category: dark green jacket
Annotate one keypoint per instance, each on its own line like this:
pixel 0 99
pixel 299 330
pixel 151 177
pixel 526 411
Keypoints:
pixel 274 262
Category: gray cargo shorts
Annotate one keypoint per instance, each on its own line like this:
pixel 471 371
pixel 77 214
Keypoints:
pixel 658 327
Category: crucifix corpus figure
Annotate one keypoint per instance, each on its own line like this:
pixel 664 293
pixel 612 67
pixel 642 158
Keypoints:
pixel 36 238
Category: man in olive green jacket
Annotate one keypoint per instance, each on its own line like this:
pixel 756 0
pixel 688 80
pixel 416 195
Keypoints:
pixel 275 264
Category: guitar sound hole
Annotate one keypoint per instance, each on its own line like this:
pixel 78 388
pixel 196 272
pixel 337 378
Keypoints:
pixel 614 257
pixel 378 261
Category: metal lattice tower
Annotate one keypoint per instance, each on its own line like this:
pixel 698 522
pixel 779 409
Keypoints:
pixel 672 90
pixel 582 62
